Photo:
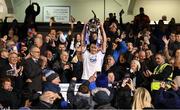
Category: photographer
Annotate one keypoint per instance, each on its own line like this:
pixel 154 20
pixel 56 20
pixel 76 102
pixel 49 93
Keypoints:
pixel 123 93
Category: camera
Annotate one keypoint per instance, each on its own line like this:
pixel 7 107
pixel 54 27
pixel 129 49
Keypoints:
pixel 117 84
pixel 127 80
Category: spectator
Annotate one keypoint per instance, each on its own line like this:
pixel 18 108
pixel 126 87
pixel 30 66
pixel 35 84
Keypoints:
pixel 33 71
pixel 31 14
pixel 141 20
pixel 177 42
pixel 46 100
pixel 50 58
pixel 118 47
pixel 7 97
pixel 123 92
pixel 82 99
pixel 176 72
pixel 13 71
pixel 63 67
pixel 167 97
pixel 142 99
pixel 150 62
pixel 78 64
pixel 38 42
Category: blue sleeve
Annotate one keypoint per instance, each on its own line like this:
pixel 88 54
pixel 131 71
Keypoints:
pixel 92 86
pixel 122 49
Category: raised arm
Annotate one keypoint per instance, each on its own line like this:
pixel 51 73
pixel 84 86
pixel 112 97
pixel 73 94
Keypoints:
pixel 83 46
pixel 38 8
pixel 166 50
pixel 104 38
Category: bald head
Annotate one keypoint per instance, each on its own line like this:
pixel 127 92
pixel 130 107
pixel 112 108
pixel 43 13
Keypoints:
pixel 142 56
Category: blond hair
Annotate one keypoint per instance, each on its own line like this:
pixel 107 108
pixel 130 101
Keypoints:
pixel 142 99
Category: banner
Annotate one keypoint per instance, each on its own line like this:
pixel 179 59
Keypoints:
pixel 60 13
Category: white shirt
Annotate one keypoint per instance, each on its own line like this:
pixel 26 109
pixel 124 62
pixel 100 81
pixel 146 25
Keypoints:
pixel 35 60
pixel 13 66
pixel 91 63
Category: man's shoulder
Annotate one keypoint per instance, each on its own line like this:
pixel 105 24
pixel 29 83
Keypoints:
pixel 29 61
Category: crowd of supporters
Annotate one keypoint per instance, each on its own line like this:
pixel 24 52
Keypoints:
pixel 119 66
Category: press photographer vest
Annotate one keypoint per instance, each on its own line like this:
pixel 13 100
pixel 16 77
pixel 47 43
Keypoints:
pixel 155 85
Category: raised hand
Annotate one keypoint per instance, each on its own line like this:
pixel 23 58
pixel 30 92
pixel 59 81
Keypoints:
pixel 131 85
pixel 19 71
pixel 165 40
pixel 93 78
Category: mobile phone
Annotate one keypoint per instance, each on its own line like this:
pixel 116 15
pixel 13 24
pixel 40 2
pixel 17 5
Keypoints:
pixel 128 80
pixel 169 82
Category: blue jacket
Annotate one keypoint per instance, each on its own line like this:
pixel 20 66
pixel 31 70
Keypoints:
pixel 122 48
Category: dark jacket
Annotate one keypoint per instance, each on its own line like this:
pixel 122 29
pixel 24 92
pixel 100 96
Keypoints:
pixel 33 71
pixel 80 100
pixel 31 14
pixel 78 70
pixel 176 72
pixel 122 98
pixel 9 99
pixel 169 99
pixel 65 75
pixel 107 106
pixel 3 63
pixel 42 105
